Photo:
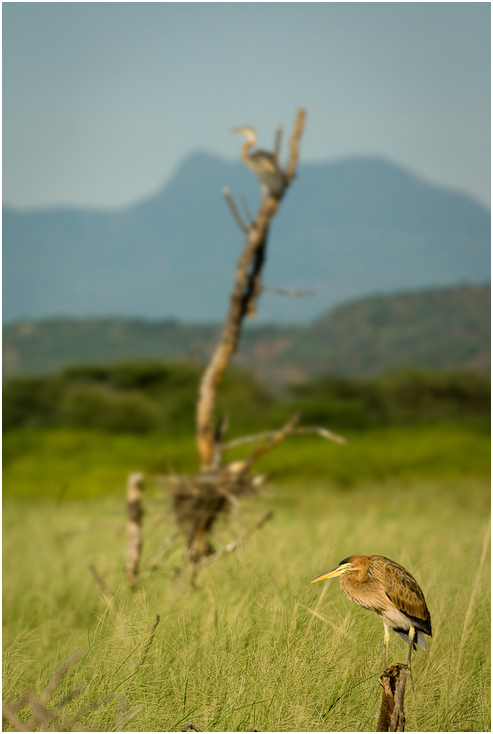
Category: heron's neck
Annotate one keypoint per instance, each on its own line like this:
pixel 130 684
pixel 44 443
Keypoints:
pixel 247 145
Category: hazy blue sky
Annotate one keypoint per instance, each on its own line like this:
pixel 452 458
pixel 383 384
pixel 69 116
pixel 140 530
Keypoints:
pixel 101 101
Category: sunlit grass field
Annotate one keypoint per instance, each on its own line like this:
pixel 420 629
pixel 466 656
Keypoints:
pixel 254 646
pixel 70 464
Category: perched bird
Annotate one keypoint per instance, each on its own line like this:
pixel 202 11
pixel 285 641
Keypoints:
pixel 377 583
pixel 264 165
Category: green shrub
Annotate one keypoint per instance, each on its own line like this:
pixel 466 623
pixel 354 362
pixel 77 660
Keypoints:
pixel 410 393
pixel 400 397
pixel 97 406
pixel 30 402
pixel 140 397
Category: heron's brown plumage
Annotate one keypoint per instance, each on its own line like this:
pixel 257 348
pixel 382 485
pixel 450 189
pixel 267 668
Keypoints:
pixel 385 587
pixel 378 582
pixel 403 591
pixel 264 164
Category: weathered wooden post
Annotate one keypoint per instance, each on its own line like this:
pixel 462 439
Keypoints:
pixel 135 487
pixel 393 681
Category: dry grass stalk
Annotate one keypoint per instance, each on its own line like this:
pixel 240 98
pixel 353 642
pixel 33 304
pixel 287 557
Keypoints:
pixel 51 719
pixel 158 556
pixel 470 606
pixel 107 594
pixel 235 544
pixel 149 641
pixel 59 675
pixel 135 487
pixel 87 529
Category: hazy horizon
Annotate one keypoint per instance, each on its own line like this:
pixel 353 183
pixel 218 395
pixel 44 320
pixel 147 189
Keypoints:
pixel 228 160
pixel 102 102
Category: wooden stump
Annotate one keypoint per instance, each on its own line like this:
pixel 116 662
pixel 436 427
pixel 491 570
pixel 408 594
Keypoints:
pixel 393 681
pixel 135 512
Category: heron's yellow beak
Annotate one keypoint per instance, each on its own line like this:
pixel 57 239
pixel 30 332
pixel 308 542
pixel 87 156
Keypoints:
pixel 245 130
pixel 332 574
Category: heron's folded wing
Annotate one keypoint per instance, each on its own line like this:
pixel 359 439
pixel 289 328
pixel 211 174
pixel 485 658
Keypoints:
pixel 403 591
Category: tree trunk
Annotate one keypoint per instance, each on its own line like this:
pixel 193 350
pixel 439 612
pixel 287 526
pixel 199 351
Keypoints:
pixel 393 682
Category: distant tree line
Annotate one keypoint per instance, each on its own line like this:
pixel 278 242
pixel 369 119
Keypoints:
pixel 140 397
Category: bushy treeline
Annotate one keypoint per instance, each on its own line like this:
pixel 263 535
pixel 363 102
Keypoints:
pixel 136 397
pixel 398 397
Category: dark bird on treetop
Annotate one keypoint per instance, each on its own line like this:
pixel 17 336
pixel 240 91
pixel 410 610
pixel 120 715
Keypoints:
pixel 377 583
pixel 264 165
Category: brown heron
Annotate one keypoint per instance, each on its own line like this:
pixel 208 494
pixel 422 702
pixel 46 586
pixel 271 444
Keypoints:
pixel 377 583
pixel 264 165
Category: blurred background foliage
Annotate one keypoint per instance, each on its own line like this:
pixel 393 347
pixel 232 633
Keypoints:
pixel 79 432
pixel 142 397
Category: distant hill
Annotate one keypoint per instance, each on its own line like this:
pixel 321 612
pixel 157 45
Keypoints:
pixel 346 229
pixel 446 329
pixel 440 328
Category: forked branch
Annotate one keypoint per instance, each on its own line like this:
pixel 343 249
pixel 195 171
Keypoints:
pixel 234 209
pixel 246 289
pixel 298 430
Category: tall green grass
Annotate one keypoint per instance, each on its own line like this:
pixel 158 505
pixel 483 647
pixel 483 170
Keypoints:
pixel 254 646
pixel 80 463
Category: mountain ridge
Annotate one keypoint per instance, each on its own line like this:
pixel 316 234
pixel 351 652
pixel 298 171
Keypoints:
pixel 346 229
pixel 441 328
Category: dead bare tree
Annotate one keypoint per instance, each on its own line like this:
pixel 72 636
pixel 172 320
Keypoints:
pixel 243 303
pixel 199 499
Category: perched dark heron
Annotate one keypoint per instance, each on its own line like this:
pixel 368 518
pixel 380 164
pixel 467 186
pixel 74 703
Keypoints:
pixel 264 165
pixel 377 583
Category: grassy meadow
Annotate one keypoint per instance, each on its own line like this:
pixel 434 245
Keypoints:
pixel 254 646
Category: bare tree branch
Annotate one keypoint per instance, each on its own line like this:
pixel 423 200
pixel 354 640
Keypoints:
pixel 288 292
pixel 243 302
pixel 276 438
pixel 21 702
pixel 295 145
pixel 10 716
pixel 236 214
pixel 58 675
pixel 277 145
pixel 236 543
pixel 198 500
pixel 135 487
pixel 255 282
pixel 247 209
pixel 54 718
pixel 299 430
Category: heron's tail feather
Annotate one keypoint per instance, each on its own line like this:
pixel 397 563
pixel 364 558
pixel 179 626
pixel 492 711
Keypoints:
pixel 419 639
